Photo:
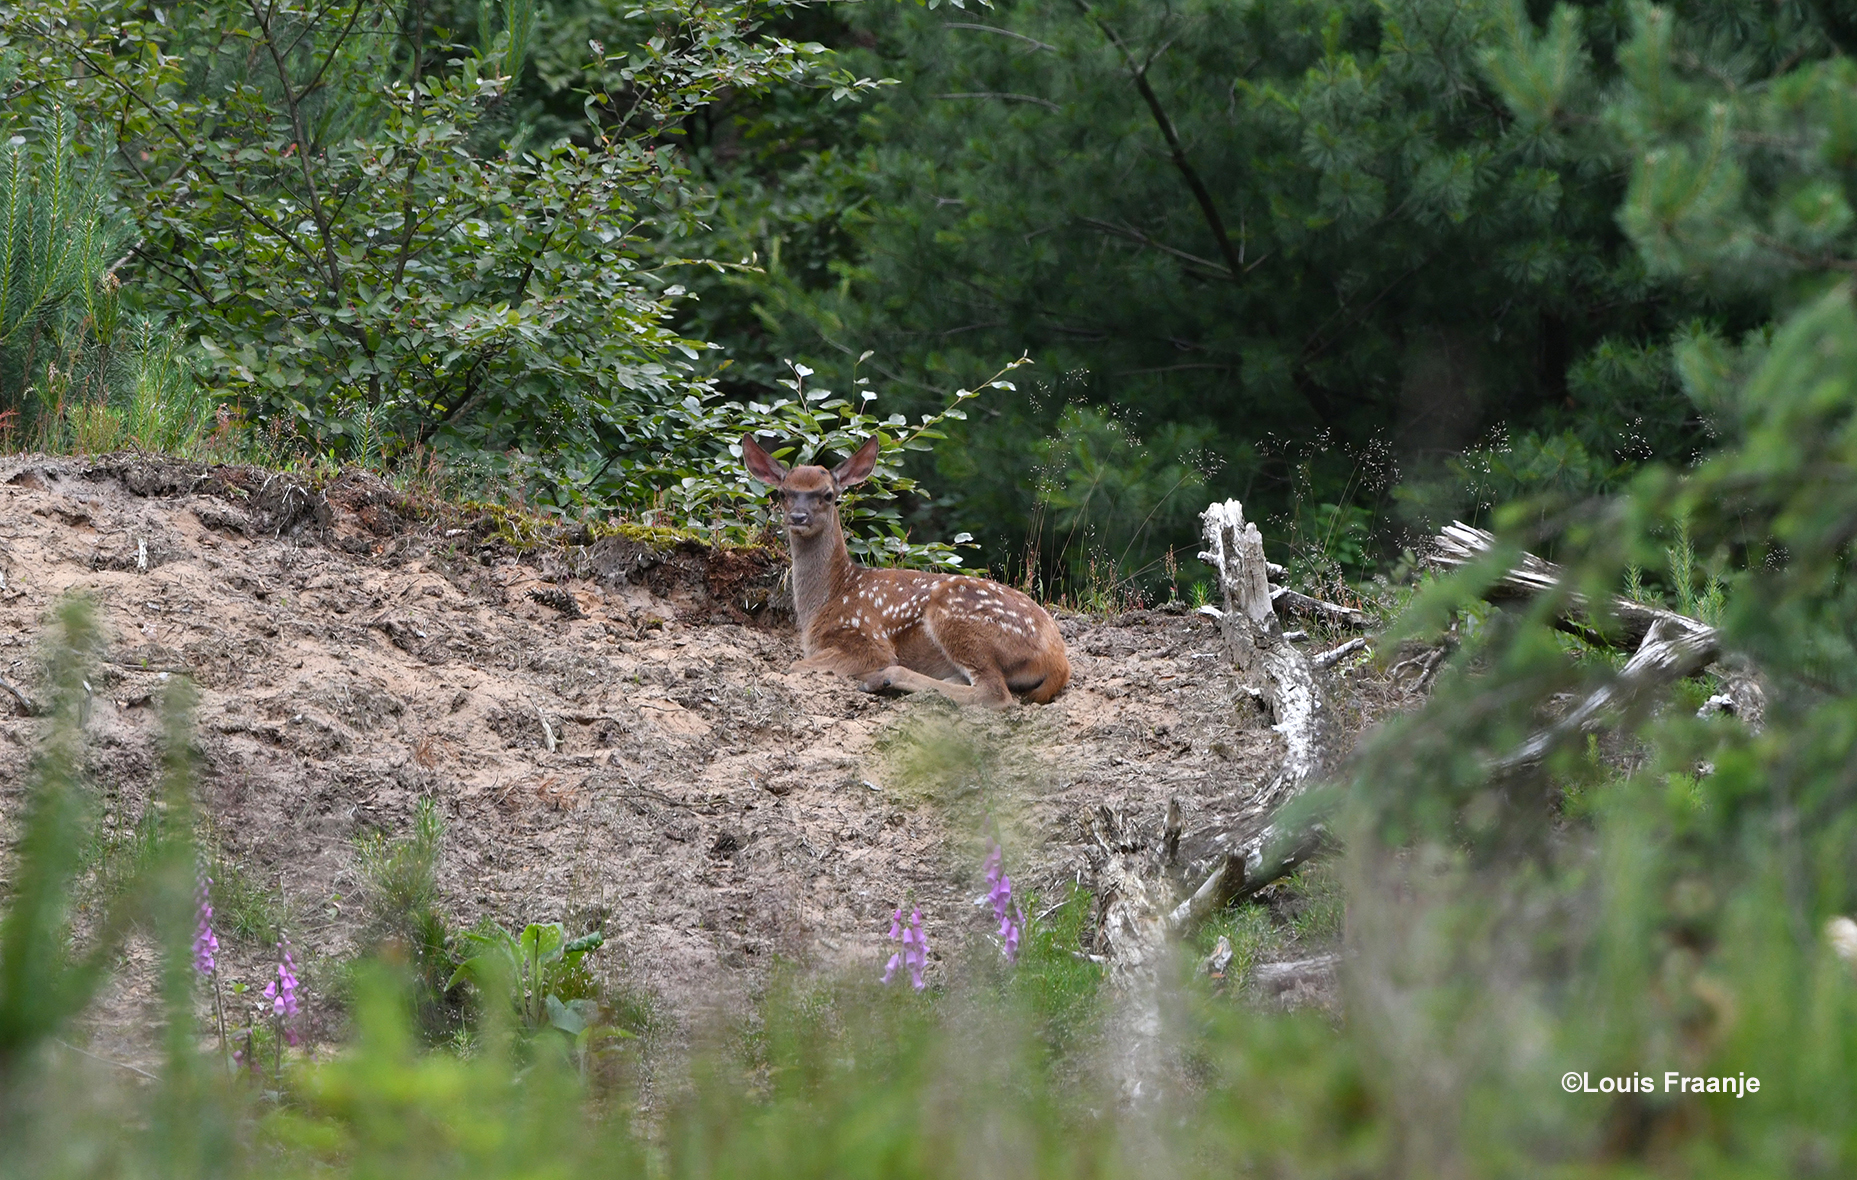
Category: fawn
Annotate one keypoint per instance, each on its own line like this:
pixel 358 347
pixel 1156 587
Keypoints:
pixel 904 629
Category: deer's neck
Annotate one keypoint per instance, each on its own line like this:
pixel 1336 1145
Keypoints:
pixel 821 569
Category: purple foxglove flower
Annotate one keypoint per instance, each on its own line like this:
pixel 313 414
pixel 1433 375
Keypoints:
pixel 914 955
pixel 1010 917
pixel 1001 894
pixel 915 951
pixel 999 885
pixel 282 991
pixel 205 942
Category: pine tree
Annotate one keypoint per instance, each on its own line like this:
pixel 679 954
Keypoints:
pixel 1297 229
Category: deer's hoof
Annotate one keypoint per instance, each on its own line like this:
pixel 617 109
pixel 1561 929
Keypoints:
pixel 875 681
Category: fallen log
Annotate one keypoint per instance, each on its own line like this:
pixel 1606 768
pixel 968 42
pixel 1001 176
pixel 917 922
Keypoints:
pixel 1667 654
pixel 1666 646
pixel 1286 599
pixel 1459 544
pixel 1275 978
pixel 1260 861
pixel 1335 655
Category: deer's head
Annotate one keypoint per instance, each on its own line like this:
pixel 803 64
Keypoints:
pixel 809 494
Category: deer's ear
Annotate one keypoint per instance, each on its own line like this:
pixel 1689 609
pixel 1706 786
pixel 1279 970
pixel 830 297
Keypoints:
pixel 857 469
pixel 760 464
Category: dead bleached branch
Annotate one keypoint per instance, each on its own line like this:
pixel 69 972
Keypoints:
pixel 1137 911
pixel 1665 646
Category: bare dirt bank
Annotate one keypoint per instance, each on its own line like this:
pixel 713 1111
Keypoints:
pixel 608 729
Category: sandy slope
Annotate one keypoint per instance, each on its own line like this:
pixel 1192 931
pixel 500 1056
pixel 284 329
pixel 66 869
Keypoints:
pixel 706 807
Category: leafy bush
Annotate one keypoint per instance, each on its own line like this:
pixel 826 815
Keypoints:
pixel 542 972
pixel 685 469
pixel 336 201
pixel 384 264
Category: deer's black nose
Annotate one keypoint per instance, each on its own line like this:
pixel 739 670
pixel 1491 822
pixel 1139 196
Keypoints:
pixel 799 520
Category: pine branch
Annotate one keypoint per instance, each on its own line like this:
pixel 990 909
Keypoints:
pixel 1210 268
pixel 1138 73
pixel 1004 95
pixel 1033 42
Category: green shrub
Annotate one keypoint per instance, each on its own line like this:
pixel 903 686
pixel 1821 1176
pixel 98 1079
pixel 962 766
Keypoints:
pixel 399 901
pixel 399 876
pixel 540 970
pixel 78 370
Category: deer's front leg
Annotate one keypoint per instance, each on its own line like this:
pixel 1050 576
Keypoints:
pixel 850 654
pixel 992 695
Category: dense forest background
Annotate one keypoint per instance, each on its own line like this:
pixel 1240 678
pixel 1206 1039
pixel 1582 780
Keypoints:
pixel 1299 253
pixel 1363 265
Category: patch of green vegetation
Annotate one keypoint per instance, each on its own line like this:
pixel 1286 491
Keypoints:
pixel 1302 914
pixel 657 536
pixel 243 908
pixel 1055 982
pixel 1253 936
pixel 543 972
pixel 1689 695
pixel 117 859
pixel 525 529
pixel 399 875
pixel 631 1008
pixel 971 769
pixel 1319 909
pixel 399 900
pixel 518 527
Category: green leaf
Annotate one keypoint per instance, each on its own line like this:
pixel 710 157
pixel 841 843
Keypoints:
pixel 590 941
pixel 542 942
pixel 570 1019
pixel 473 970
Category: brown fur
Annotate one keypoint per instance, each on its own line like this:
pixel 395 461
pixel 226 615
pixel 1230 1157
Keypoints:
pixel 904 629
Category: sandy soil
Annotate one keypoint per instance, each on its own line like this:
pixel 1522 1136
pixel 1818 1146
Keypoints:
pixel 610 732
